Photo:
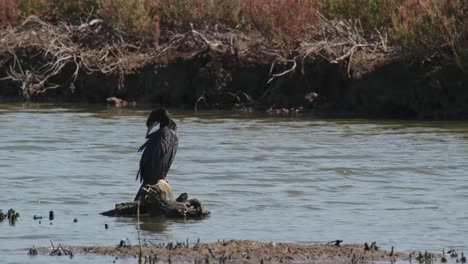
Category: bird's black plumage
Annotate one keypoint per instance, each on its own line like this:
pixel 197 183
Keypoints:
pixel 158 151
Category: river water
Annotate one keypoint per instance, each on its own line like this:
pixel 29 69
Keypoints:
pixel 291 179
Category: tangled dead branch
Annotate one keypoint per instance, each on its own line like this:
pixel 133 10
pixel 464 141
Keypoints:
pixel 35 53
pixel 50 51
pixel 340 41
pixel 293 67
pixel 337 42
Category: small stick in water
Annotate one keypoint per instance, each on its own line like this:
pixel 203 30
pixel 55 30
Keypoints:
pixel 140 259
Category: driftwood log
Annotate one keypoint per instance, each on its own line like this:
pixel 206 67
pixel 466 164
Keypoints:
pixel 159 202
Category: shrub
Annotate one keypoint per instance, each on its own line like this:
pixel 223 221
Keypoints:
pixel 282 19
pixel 418 27
pixel 421 28
pixel 371 13
pixel 9 12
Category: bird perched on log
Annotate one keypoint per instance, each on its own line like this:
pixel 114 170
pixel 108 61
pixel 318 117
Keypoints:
pixel 159 150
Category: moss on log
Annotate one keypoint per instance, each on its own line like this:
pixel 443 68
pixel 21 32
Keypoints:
pixel 159 202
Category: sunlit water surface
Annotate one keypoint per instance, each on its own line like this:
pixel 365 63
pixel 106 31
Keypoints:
pixel 293 179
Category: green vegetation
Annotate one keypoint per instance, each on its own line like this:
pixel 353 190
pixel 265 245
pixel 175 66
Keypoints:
pixel 420 29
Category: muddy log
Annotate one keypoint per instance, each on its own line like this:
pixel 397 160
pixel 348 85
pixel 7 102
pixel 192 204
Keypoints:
pixel 159 202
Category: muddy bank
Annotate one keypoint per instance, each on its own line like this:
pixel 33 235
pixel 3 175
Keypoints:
pixel 346 72
pixel 247 251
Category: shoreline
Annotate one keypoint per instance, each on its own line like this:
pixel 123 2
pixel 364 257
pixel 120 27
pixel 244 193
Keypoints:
pixel 225 68
pixel 249 251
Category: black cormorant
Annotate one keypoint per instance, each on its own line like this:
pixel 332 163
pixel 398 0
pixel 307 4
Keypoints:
pixel 158 151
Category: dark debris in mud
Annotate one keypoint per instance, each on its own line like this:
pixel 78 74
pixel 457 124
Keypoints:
pixel 11 215
pixel 60 251
pixel 52 251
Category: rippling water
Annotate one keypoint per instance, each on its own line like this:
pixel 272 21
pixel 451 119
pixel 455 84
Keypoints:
pixel 295 179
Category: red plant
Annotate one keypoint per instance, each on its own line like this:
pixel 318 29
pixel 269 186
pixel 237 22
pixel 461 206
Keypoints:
pixel 9 12
pixel 287 19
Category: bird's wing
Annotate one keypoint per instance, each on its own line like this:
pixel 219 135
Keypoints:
pixel 150 153
pixel 169 144
pixel 142 146
pixel 143 159
pixel 158 153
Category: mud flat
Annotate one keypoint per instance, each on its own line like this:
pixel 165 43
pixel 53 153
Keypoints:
pixel 248 251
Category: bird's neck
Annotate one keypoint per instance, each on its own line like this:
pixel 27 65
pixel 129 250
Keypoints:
pixel 164 122
pixel 172 124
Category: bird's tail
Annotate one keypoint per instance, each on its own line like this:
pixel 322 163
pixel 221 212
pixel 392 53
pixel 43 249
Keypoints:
pixel 138 174
pixel 140 194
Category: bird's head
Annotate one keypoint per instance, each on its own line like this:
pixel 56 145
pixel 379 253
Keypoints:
pixel 157 116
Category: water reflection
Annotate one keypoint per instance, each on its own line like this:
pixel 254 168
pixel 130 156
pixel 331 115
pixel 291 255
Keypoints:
pixel 155 225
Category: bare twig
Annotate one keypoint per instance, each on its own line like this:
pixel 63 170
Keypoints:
pixel 383 40
pixel 293 67
pixel 200 98
pixel 198 34
pixel 140 258
pixel 235 96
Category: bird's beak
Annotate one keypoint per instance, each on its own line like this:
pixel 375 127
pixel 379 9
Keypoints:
pixel 150 128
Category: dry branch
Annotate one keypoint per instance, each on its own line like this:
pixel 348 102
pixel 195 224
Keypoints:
pixel 338 41
pixel 57 46
pixel 36 52
pixel 293 67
